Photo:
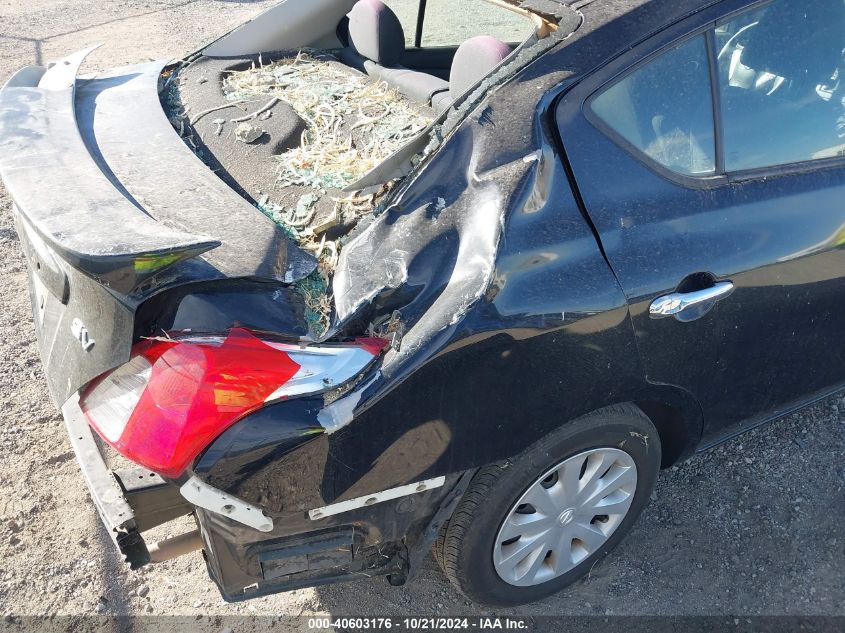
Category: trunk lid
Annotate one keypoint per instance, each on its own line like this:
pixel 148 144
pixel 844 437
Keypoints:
pixel 112 207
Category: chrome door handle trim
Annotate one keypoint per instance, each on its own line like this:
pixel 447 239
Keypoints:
pixel 677 302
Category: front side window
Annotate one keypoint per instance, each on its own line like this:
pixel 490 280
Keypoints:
pixel 452 22
pixel 665 110
pixel 781 84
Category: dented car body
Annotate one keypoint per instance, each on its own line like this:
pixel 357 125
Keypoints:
pixel 502 290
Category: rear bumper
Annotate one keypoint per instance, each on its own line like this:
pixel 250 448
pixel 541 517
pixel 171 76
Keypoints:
pixel 126 507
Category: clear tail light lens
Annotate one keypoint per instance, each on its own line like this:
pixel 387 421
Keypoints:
pixel 174 397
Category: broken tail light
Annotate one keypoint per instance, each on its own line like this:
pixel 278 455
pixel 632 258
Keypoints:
pixel 174 397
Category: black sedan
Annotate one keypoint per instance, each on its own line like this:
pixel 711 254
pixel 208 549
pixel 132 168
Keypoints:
pixel 363 278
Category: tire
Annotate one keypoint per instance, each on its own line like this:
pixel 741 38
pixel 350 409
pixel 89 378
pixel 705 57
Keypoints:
pixel 465 547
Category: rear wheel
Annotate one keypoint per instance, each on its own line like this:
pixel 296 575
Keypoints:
pixel 529 527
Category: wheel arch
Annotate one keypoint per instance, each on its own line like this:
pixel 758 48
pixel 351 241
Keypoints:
pixel 675 414
pixel 678 438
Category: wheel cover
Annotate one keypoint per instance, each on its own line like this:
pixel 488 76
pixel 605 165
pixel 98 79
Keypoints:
pixel 566 515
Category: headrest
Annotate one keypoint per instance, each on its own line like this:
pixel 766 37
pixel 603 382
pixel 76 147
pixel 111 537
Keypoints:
pixel 797 39
pixel 376 33
pixel 474 59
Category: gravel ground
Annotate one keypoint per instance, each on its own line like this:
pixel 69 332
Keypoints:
pixel 753 527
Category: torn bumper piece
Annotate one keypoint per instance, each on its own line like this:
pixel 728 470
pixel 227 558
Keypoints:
pixel 106 493
pixel 125 506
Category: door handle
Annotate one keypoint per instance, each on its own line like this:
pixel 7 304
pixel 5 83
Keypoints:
pixel 677 302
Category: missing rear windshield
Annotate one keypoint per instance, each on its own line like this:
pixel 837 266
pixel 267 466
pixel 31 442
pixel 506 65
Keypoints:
pixel 291 133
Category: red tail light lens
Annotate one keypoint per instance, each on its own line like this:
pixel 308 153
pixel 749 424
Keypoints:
pixel 170 401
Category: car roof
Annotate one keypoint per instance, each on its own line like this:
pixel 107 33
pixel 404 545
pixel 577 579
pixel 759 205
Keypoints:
pixel 623 6
pixel 608 9
pixel 651 14
pixel 614 26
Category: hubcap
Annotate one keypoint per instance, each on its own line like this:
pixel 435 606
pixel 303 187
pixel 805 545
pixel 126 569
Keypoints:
pixel 565 516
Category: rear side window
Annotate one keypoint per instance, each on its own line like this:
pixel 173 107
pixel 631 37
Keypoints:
pixel 665 109
pixel 779 87
pixel 781 84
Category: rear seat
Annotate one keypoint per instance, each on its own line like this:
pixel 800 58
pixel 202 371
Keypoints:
pixel 377 43
pixel 474 60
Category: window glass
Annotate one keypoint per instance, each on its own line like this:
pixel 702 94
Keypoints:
pixel 665 109
pixel 781 84
pixel 452 22
pixel 406 11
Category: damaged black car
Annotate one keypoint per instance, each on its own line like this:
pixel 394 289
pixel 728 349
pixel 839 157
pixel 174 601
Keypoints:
pixel 362 279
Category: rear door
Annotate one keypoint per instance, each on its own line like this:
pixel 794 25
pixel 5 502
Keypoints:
pixel 710 159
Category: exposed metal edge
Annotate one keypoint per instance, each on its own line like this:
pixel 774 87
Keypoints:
pixel 210 498
pixel 288 25
pixel 61 75
pixel 377 497
pixel 105 490
pixel 60 189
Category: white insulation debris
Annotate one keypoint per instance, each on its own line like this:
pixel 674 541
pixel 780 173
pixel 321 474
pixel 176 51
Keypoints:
pixel 354 122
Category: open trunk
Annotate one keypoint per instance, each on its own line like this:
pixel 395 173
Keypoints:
pixel 219 192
